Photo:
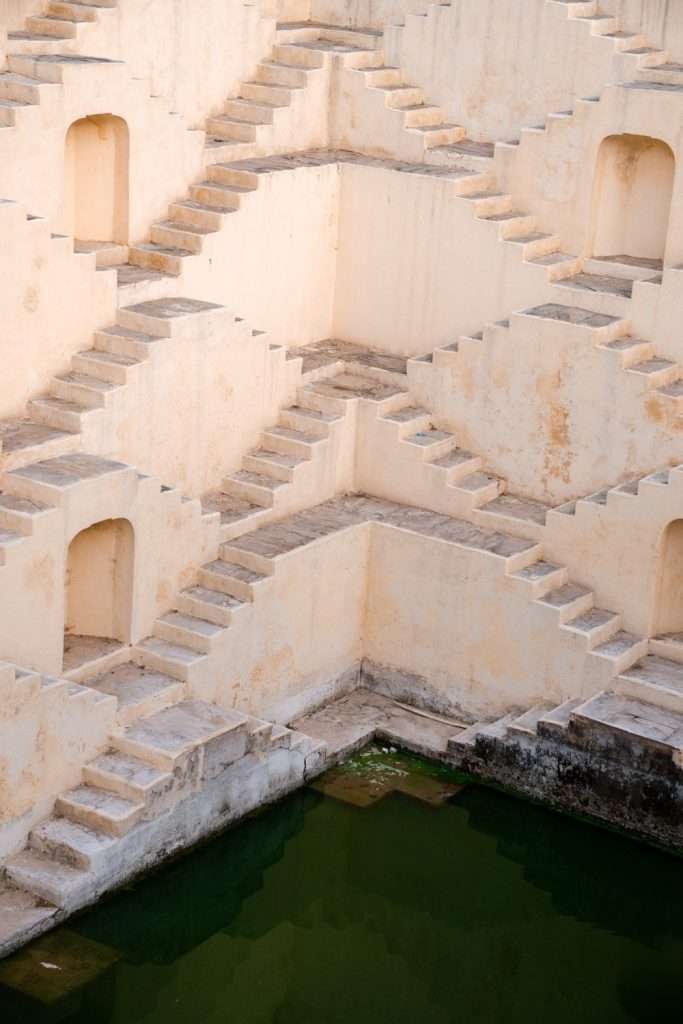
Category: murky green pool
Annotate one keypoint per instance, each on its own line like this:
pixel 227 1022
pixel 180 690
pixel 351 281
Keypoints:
pixel 392 897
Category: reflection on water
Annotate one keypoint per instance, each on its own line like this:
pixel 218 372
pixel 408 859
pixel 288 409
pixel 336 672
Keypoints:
pixel 390 893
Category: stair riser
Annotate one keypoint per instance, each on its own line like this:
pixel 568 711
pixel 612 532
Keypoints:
pixel 166 262
pixel 565 613
pixel 442 137
pixel 47 27
pixel 298 56
pixel 79 393
pixel 250 114
pixel 265 467
pixel 249 492
pixel 407 96
pixel 175 239
pixel 261 92
pixel 121 345
pixel 209 220
pixel 204 610
pixel 227 585
pixel 299 421
pixel 596 636
pixel 71 12
pixel 57 418
pixel 239 131
pixel 288 446
pixel 227 175
pixel 174 634
pixel 281 76
pixel 423 116
pixel 216 197
pixel 248 559
pixel 657 695
pixel 113 373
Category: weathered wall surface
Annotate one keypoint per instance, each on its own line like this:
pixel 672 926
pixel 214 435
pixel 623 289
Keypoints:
pixel 39 331
pixel 414 267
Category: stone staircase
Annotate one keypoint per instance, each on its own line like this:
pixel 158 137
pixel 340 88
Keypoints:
pixel 62 24
pixel 168 778
pixel 56 420
pixel 246 130
pixel 617 756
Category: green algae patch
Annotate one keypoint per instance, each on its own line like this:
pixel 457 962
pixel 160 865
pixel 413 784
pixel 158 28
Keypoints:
pixel 378 770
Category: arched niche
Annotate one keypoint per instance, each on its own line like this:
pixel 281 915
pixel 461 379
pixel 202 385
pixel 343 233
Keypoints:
pixel 99 581
pixel 669 609
pixel 632 194
pixel 96 179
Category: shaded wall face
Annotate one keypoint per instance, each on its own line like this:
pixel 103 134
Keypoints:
pixel 99 581
pixel 96 179
pixel 632 198
pixel 669 615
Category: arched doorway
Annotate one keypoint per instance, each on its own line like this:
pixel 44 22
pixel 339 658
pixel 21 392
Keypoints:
pixel 632 198
pixel 99 584
pixel 96 179
pixel 669 609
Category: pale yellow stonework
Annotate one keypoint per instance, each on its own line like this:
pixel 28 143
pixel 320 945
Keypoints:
pixel 481 203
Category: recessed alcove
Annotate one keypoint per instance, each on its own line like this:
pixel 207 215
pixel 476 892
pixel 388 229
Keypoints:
pixel 96 179
pixel 98 591
pixel 632 194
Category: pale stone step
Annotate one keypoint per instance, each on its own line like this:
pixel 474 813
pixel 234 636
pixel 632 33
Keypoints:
pixel 57 413
pixel 568 601
pixel 639 730
pixel 109 366
pixel 177 235
pixel 254 487
pixel 87 391
pixel 273 72
pixel 526 725
pixel 621 650
pixel 261 92
pixel 130 778
pixel 458 464
pixel 169 737
pixel 212 605
pixel 235 580
pixel 175 659
pixel 542 577
pixel 432 443
pixel 554 723
pixel 231 508
pixel 278 465
pixel 48 878
pixel 290 441
pixel 655 680
pixel 482 487
pixel 139 691
pixel 465 739
pixel 656 372
pixel 24 441
pixel 99 809
pixel 72 843
pixel 159 257
pixel 596 626
pixel 308 421
pixel 23 915
pixel 198 634
pixel 218 196
pixel 232 129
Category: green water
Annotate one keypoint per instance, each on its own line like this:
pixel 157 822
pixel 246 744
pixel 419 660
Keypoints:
pixel 480 908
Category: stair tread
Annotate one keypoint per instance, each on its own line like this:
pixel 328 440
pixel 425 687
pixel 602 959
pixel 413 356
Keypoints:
pixel 102 801
pixel 518 508
pixel 565 595
pixel 132 684
pixel 230 569
pixel 213 597
pixel 173 651
pixel 657 671
pixel 191 623
pixel 183 726
pixel 593 619
pixel 635 717
pixel 84 840
pixel 129 769
pixel 230 507
pixel 620 643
